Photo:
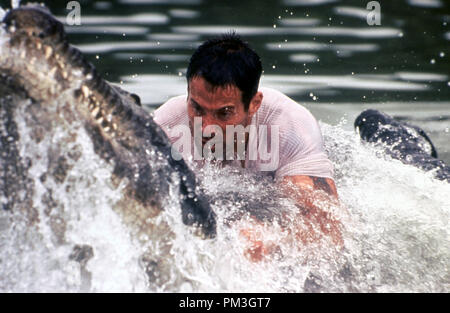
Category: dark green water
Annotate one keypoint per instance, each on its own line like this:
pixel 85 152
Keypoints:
pixel 322 53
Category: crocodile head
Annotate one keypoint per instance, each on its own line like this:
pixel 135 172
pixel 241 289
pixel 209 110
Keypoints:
pixel 54 106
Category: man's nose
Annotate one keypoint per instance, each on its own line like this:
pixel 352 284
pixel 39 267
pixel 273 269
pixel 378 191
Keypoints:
pixel 208 121
pixel 210 128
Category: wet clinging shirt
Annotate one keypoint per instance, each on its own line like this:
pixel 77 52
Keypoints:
pixel 285 138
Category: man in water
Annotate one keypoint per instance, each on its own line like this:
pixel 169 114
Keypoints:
pixel 230 120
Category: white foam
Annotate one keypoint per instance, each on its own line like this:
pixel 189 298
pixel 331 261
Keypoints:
pixel 15 4
pixel 2 13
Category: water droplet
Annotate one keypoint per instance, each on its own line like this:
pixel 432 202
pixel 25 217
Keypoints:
pixel 432 61
pixel 442 54
pixel 400 34
pixel 97 57
pixel 273 66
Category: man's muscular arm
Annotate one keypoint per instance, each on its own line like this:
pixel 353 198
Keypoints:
pixel 313 183
pixel 304 190
pixel 312 222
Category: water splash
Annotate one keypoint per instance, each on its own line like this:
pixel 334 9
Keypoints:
pixel 15 4
pixel 397 239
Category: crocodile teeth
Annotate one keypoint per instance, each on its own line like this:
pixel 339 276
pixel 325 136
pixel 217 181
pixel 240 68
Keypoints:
pixel 52 71
pixel 48 51
pixel 95 111
pixel 85 91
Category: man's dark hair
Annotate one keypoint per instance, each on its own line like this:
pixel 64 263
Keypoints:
pixel 227 60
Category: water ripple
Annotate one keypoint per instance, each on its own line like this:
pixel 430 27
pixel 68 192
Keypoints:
pixel 161 2
pixel 308 2
pixel 368 32
pixel 133 45
pixel 425 3
pixel 141 19
pixel 110 30
pixel 316 46
pixel 351 11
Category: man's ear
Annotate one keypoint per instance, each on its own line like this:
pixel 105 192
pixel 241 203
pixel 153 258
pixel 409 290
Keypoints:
pixel 255 103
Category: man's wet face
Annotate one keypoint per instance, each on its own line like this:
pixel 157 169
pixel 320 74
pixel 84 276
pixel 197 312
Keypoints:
pixel 219 106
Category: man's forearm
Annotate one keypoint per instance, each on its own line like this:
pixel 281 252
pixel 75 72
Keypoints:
pixel 305 190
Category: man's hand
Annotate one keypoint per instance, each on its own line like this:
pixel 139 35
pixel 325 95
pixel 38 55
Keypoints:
pixel 256 249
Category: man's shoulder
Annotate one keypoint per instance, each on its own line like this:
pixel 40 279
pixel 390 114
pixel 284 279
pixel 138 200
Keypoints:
pixel 301 147
pixel 172 112
pixel 278 108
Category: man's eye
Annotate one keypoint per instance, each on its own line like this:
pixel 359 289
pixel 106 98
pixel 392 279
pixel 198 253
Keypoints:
pixel 197 109
pixel 225 113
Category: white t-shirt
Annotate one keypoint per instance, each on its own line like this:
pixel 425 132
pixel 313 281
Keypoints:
pixel 287 140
